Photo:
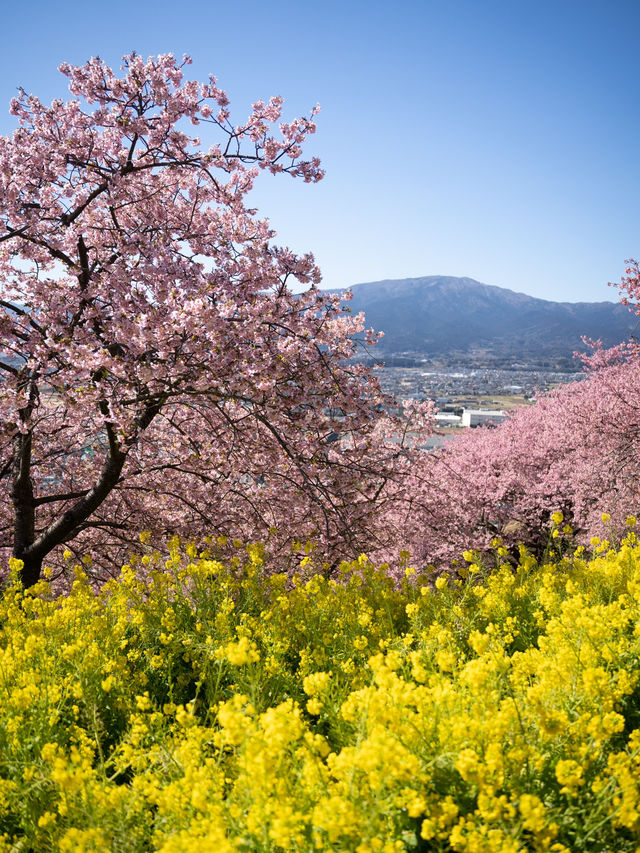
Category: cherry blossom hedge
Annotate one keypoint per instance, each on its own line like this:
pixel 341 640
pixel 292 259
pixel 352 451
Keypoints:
pixel 577 451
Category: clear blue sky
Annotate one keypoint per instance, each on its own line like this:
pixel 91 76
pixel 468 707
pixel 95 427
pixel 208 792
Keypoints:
pixel 497 139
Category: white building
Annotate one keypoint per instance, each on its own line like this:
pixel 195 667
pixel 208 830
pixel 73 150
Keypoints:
pixel 448 419
pixel 478 417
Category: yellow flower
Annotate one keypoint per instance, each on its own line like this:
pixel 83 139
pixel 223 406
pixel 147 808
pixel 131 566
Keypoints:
pixel 46 819
pixel 446 660
pixel 143 703
pixel 239 653
pixel 569 774
pixel 533 812
pixel 316 683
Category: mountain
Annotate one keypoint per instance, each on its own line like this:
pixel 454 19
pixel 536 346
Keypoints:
pixel 460 317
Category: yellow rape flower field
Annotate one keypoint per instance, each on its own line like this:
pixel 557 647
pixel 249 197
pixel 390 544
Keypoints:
pixel 211 708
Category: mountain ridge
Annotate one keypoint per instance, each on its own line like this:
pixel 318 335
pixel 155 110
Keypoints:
pixel 461 317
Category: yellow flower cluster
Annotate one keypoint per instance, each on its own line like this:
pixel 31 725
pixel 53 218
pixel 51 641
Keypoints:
pixel 210 707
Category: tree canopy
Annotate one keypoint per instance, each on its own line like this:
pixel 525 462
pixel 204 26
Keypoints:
pixel 158 373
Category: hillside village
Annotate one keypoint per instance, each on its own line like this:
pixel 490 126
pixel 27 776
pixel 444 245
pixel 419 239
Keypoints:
pixel 470 397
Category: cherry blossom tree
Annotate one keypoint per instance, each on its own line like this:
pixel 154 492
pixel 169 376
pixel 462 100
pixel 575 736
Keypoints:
pixel 158 373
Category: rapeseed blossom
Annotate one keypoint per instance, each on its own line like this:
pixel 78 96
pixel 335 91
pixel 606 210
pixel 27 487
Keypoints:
pixel 207 707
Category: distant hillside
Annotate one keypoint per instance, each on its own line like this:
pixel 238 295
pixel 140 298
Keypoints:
pixel 460 317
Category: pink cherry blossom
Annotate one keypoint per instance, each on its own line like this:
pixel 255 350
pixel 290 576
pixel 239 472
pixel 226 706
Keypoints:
pixel 158 372
pixel 574 451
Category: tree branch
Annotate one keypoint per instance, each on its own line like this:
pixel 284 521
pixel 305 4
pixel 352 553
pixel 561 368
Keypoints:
pixel 47 499
pixel 13 370
pixel 22 313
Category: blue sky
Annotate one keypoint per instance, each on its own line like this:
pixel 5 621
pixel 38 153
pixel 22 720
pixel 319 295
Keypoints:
pixel 491 138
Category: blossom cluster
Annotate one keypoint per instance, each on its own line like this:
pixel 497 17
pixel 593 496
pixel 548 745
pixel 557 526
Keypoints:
pixel 212 706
